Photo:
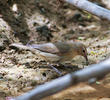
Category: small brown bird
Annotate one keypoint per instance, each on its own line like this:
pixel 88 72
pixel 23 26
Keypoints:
pixel 60 51
pixel 56 52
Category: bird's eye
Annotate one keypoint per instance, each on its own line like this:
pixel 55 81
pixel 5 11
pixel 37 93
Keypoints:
pixel 84 51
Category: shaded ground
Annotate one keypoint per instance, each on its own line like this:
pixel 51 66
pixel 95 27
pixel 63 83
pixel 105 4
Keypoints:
pixel 45 21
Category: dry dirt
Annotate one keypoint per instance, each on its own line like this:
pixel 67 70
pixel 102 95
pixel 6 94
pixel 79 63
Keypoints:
pixel 43 21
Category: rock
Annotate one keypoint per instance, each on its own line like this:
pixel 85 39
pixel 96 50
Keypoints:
pixel 2 47
pixel 4 42
pixel 44 32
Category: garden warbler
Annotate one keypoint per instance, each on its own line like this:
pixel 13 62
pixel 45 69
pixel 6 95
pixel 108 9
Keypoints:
pixel 60 51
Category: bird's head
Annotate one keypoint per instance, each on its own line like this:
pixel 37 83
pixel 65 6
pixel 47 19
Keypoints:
pixel 81 50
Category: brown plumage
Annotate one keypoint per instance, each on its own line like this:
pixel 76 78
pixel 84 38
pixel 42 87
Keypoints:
pixel 61 51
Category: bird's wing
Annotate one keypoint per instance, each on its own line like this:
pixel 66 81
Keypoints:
pixel 63 47
pixel 47 47
pixel 54 48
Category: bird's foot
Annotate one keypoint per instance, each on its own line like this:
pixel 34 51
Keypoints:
pixel 55 69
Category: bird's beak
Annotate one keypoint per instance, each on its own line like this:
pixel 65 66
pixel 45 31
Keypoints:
pixel 87 62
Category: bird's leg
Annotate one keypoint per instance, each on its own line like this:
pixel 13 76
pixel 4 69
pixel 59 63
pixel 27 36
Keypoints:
pixel 55 69
pixel 29 42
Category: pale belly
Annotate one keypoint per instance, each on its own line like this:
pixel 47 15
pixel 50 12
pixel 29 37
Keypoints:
pixel 49 57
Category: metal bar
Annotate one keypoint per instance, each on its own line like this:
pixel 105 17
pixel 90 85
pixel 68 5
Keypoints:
pixel 57 85
pixel 91 7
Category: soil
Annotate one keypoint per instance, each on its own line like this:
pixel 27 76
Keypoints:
pixel 41 21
